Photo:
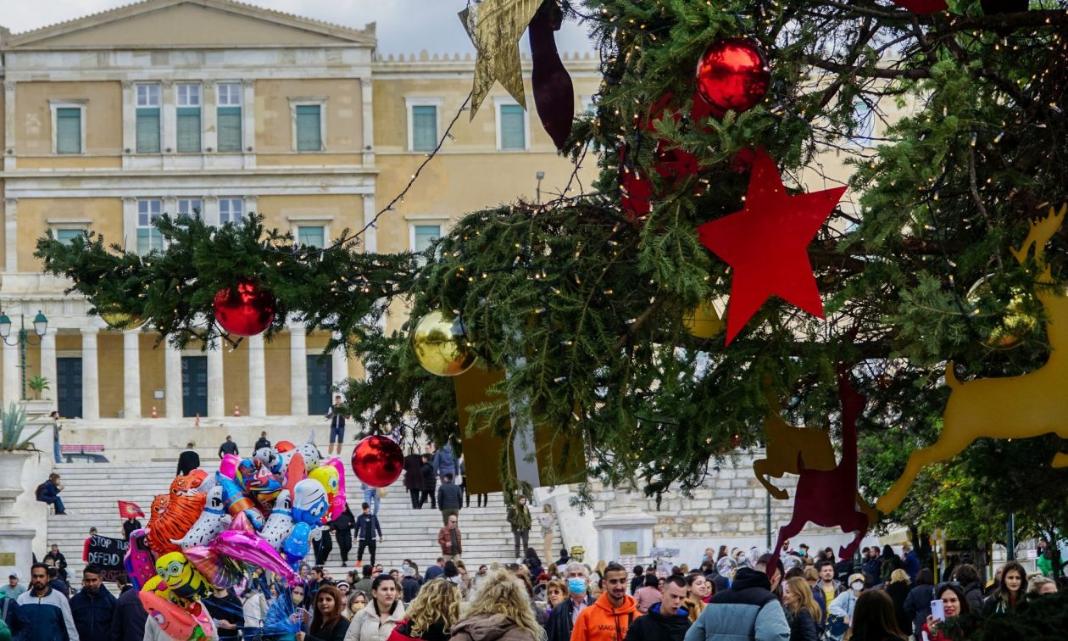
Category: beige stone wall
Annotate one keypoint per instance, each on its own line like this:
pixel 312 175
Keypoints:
pixel 150 356
pixel 343 112
pixel 336 212
pixel 235 380
pixel 277 360
pixel 102 125
pixel 34 214
pixel 110 360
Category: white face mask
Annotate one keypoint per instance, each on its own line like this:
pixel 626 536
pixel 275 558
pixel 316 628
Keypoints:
pixel 857 586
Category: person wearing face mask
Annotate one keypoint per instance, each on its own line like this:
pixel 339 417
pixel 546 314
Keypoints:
pixel 562 618
pixel 93 607
pixel 840 611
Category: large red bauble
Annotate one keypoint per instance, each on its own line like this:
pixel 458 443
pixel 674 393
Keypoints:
pixel 377 461
pixel 244 310
pixel 732 75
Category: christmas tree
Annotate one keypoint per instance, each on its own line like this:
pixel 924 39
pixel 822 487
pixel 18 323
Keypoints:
pixel 587 302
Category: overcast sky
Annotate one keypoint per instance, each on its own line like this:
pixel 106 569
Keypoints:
pixel 404 26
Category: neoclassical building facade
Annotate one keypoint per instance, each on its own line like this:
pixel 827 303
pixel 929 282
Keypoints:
pixel 220 109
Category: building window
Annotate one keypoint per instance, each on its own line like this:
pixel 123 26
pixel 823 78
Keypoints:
pixel 423 236
pixel 424 127
pixel 192 207
pixel 189 118
pixel 149 238
pixel 231 210
pixel 311 236
pixel 148 120
pixel 68 128
pixel 864 116
pixel 229 116
pixel 511 127
pixel 309 127
pixel 66 235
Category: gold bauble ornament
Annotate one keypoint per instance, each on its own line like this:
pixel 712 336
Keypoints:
pixel 440 345
pixel 116 318
pixel 703 321
pixel 1015 321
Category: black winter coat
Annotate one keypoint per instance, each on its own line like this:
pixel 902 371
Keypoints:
pixel 430 478
pixel 413 472
pixel 128 624
pixel 658 627
pixel 342 527
pixel 559 626
pixel 918 606
pixel 336 634
pixel 92 613
pixel 899 592
pixel 450 497
pixel 802 626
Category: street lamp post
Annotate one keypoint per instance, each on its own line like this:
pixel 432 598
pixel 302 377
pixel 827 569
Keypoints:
pixel 40 326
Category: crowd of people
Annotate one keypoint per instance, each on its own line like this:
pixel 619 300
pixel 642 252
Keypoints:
pixel 793 597
pixel 729 596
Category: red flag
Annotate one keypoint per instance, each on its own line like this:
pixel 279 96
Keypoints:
pixel 129 510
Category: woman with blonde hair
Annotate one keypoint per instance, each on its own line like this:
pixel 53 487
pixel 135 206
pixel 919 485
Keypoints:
pixel 432 613
pixel 801 610
pixel 898 589
pixel 500 612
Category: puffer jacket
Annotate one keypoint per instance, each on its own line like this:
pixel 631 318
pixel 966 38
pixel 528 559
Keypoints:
pixel 369 625
pixel 602 622
pixel 748 611
pixel 489 628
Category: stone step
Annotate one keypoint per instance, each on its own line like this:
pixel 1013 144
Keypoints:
pixel 91 493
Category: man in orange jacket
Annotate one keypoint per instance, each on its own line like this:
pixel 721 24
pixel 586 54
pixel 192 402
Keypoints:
pixel 611 614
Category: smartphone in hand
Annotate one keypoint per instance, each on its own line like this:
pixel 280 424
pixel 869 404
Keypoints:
pixel 937 611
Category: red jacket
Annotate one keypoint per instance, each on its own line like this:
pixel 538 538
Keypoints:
pixel 445 541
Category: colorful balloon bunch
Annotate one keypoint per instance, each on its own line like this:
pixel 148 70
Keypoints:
pixel 216 530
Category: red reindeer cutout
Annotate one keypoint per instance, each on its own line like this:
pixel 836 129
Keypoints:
pixel 829 497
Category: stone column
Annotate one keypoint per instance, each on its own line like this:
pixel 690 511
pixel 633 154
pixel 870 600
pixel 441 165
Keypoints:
pixel 172 373
pixel 339 366
pixel 216 384
pixel 257 378
pixel 12 381
pixel 131 374
pixel 9 125
pixel 11 236
pixel 48 363
pixel 298 371
pixel 90 375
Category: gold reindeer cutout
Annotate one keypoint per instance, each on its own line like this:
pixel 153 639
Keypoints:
pixel 789 448
pixel 1007 407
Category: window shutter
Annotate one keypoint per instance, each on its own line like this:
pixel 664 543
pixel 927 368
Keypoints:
pixel 424 127
pixel 229 128
pixel 513 130
pixel 68 130
pixel 189 129
pixel 148 130
pixel 309 128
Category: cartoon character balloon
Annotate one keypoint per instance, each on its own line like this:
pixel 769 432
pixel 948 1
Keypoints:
pixel 237 503
pixel 327 476
pixel 212 521
pixel 139 564
pixel 174 516
pixel 181 577
pixel 180 623
pixel 280 522
pixel 309 502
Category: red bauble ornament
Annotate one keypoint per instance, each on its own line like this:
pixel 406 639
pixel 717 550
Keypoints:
pixel 244 310
pixel 377 461
pixel 732 75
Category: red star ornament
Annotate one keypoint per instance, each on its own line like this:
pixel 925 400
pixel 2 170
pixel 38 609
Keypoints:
pixel 766 244
pixel 922 7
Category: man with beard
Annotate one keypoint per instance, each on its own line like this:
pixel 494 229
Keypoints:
pixel 611 614
pixel 43 614
pixel 93 607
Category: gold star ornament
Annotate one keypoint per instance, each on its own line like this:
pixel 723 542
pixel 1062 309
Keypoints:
pixel 495 27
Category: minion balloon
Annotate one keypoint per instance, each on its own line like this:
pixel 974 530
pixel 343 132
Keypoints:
pixel 182 579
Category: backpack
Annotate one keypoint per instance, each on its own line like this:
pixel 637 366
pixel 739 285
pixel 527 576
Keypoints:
pixel 39 491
